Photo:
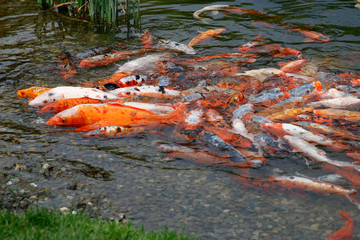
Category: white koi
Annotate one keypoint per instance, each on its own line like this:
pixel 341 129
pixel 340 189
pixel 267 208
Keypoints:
pixel 172 45
pixel 65 92
pixel 147 90
pixel 208 8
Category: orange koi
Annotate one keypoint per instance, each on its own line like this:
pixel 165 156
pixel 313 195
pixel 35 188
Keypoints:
pixel 206 35
pixel 66 67
pixel 85 114
pixel 225 55
pixel 246 11
pixel 311 36
pixel 63 104
pixel 346 232
pixel 146 39
pixel 293 66
pixel 138 121
pixel 31 92
pixel 355 156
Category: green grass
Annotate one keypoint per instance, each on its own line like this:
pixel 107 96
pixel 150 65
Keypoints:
pixel 45 224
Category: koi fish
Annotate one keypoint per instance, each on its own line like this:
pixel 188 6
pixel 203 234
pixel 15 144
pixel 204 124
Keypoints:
pixel 327 130
pixel 98 50
pixel 58 93
pixel 289 114
pixel 66 67
pixel 249 46
pixel 206 35
pixel 348 103
pixel 110 80
pixel 133 80
pixel 146 39
pixel 148 90
pixel 214 140
pixel 246 11
pixel 152 107
pixel 85 114
pixel 351 176
pixel 175 46
pixel 293 66
pixel 63 104
pixel 346 232
pixel 300 145
pixel 311 36
pixel 197 13
pixel 262 73
pixel 153 119
pixel 295 183
pixel 106 59
pixel 283 129
pixel 225 55
pixel 31 92
pixel 146 64
pixel 350 116
pixel 201 157
pixel 113 132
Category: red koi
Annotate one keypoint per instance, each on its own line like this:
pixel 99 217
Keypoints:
pixel 225 55
pixel 346 232
pixel 206 35
pixel 66 67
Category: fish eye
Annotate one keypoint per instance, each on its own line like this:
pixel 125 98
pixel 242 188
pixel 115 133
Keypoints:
pixel 63 120
pixel 45 101
pixel 51 108
pixel 291 177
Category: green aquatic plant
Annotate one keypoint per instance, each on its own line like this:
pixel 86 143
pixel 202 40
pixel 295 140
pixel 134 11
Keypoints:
pixel 98 12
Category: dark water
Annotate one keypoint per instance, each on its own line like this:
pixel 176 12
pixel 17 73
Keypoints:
pixel 129 174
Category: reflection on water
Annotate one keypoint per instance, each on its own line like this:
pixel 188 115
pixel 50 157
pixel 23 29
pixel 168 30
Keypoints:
pixel 131 173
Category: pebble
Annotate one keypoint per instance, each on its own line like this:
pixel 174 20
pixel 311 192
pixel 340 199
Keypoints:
pixel 64 210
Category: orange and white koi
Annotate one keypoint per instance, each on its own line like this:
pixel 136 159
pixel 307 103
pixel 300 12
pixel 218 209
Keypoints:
pixel 145 65
pixel 85 114
pixel 67 68
pixel 289 114
pixel 350 175
pixel 148 90
pixel 152 107
pixel 175 46
pixel 106 59
pixel 31 92
pixel 206 35
pixel 349 103
pixel 350 116
pixel 262 73
pixel 133 80
pixel 63 104
pixel 293 66
pixel 296 183
pixel 58 93
pixel 347 231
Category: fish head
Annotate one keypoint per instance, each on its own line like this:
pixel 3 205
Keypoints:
pixel 68 117
pixel 44 99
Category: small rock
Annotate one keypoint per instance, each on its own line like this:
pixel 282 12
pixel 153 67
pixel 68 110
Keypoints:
pixel 64 210
pixel 314 226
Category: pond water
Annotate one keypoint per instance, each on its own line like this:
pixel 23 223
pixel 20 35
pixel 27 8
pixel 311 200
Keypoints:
pixel 129 174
